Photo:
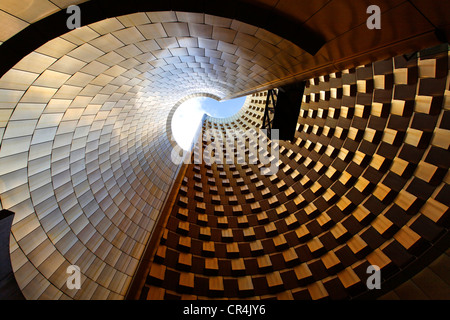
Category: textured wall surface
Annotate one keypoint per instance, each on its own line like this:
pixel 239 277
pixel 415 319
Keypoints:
pixel 364 183
pixel 85 159
pixel 406 25
pixel 85 140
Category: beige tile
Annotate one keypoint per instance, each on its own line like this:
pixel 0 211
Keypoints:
pixel 17 79
pixel 25 226
pixel 440 138
pixel 38 95
pixel 167 43
pixel 35 62
pixel 80 79
pixel 106 26
pixel 39 180
pixel 111 58
pixel 39 151
pixel 51 79
pixel 162 16
pixel 57 105
pixel 15 146
pixel 56 48
pixel 49 120
pixel 5 115
pixel 129 35
pixel 208 44
pixel 67 92
pixel 268 36
pixel 12 181
pixel 19 128
pixel 86 53
pixel 29 10
pixel 176 29
pixel 51 264
pixel 80 35
pixel 152 31
pixel 224 34
pixel 243 27
pixel 218 21
pixel 134 19
pixel 94 68
pixel 200 30
pixel 190 17
pixel 43 135
pixel 107 43
pixel 11 25
pixel 266 49
pixel 41 253
pixel 246 41
pixel 68 65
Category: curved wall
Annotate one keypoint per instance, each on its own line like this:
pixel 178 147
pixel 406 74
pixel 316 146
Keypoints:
pixel 84 142
pixel 85 149
pixel 365 182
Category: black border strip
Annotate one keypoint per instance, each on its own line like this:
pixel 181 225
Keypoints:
pixel 9 289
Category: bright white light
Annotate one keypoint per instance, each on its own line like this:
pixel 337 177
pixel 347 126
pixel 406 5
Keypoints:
pixel 186 119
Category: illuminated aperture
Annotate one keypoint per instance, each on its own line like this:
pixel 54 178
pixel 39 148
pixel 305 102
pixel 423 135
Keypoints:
pixel 187 118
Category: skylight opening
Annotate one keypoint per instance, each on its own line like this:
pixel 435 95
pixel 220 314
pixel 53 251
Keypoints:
pixel 187 118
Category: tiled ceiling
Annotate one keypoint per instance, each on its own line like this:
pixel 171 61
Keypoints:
pixel 406 25
pixel 85 150
pixel 84 143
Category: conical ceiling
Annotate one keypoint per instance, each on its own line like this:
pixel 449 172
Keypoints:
pixel 85 157
pixel 85 139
